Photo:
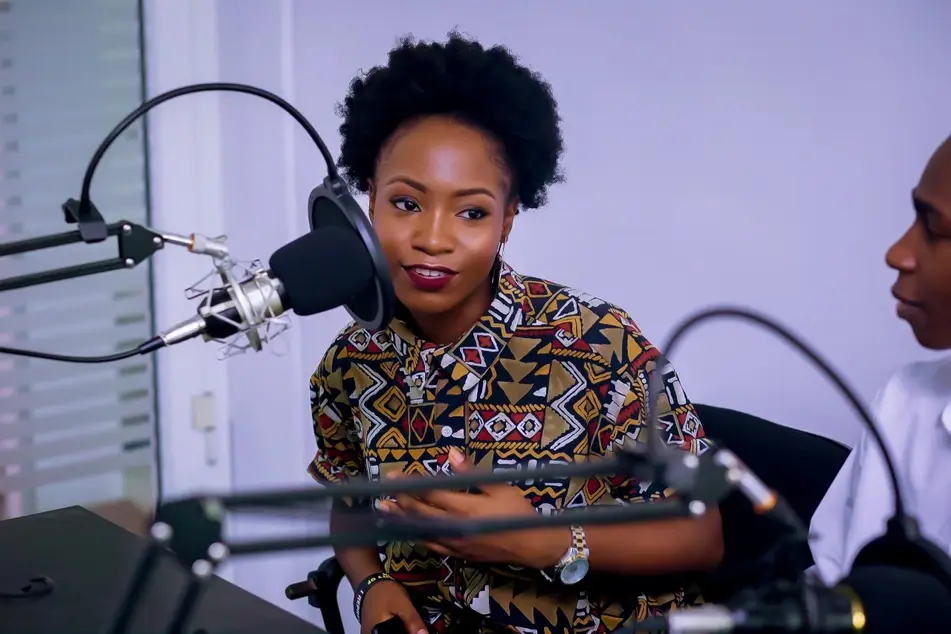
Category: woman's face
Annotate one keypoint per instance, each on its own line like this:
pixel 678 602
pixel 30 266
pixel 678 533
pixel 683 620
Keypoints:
pixel 441 205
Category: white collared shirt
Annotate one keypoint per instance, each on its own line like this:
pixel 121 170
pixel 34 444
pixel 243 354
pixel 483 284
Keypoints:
pixel 914 416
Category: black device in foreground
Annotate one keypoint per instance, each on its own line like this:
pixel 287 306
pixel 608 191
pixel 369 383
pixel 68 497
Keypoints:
pixel 91 560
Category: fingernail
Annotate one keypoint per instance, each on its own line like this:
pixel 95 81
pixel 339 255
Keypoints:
pixel 385 506
pixel 422 632
pixel 456 457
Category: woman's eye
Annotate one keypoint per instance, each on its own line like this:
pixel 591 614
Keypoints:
pixel 473 214
pixel 406 204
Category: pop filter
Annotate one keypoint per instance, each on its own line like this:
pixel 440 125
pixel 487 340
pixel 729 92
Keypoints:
pixel 331 205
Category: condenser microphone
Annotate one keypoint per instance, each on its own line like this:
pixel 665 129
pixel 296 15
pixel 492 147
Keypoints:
pixel 316 272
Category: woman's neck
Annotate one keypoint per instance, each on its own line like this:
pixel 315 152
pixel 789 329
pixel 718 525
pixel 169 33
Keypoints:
pixel 450 326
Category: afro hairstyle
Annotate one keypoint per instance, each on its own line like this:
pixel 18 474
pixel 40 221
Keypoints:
pixel 485 88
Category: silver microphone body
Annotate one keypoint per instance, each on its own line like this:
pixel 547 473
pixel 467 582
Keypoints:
pixel 250 305
pixel 227 310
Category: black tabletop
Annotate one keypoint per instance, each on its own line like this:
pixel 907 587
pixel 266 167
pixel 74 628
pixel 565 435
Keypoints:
pixel 91 562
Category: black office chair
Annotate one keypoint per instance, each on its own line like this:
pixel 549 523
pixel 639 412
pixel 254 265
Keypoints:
pixel 797 464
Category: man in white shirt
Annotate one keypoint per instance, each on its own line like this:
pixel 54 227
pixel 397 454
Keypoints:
pixel 914 409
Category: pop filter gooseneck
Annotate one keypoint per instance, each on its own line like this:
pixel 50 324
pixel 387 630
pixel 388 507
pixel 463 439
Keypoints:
pixel 330 203
pixel 902 545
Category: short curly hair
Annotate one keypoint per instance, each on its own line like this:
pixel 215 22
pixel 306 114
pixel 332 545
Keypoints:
pixel 486 88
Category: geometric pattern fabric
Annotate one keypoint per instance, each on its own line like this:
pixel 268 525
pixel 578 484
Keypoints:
pixel 547 375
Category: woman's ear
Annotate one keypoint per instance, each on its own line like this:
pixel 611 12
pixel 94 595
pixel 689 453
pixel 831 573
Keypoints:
pixel 510 212
pixel 372 194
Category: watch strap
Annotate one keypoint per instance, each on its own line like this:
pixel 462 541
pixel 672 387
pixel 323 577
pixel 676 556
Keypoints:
pixel 579 542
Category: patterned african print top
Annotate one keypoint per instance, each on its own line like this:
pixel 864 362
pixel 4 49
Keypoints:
pixel 547 375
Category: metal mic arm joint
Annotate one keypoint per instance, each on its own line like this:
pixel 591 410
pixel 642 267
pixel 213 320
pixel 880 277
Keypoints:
pixel 202 245
pixel 138 243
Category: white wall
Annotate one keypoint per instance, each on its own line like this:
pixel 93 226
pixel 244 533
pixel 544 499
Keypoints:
pixel 186 190
pixel 761 155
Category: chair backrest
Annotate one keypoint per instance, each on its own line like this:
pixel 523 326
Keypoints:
pixel 799 465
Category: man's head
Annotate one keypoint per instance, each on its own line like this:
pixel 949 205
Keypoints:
pixel 922 256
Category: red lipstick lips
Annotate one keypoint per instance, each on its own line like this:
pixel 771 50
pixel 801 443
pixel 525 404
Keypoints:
pixel 429 278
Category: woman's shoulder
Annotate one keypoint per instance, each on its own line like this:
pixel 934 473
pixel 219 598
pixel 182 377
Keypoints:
pixel 554 302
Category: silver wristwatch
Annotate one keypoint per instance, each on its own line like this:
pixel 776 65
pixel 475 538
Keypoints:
pixel 573 565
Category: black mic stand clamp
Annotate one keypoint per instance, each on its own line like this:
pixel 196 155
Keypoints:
pixel 91 225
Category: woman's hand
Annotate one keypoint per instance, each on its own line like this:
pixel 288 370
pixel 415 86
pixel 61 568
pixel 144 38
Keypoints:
pixel 383 601
pixel 534 548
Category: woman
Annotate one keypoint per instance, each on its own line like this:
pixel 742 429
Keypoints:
pixel 487 367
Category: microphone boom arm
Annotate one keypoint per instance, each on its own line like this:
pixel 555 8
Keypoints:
pixel 902 516
pixel 193 527
pixel 136 244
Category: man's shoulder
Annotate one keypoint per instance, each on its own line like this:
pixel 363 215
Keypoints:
pixel 922 378
pixel 915 394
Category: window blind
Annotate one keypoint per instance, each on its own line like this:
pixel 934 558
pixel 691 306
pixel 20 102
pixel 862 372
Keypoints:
pixel 72 434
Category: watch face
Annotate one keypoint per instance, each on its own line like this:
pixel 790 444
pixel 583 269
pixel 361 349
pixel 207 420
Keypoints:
pixel 574 572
